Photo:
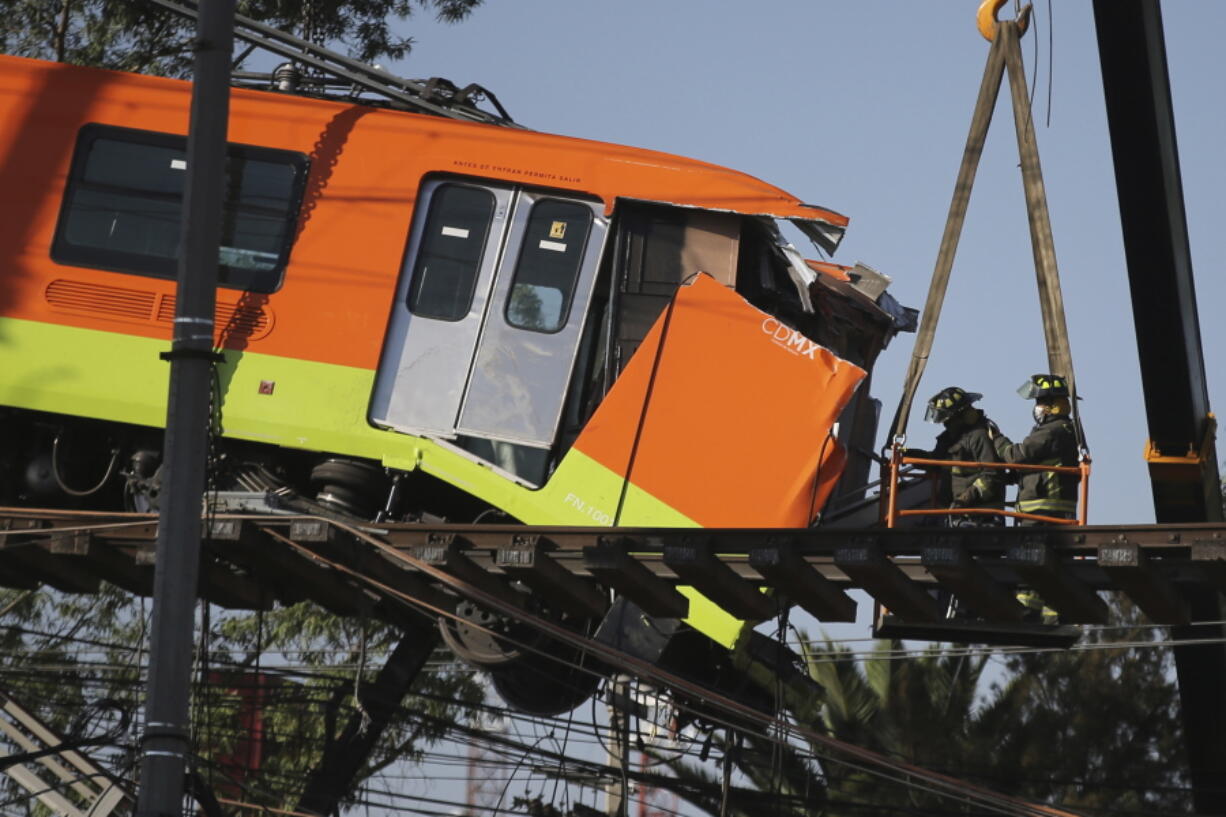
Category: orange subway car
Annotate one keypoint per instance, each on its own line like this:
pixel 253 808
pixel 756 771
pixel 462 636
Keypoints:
pixel 422 316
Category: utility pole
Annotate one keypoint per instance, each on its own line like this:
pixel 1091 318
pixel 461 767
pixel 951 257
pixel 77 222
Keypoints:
pixel 165 741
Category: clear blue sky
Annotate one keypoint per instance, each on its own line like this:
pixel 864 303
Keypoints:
pixel 864 107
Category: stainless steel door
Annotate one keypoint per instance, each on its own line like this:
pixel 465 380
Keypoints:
pixel 535 319
pixel 441 300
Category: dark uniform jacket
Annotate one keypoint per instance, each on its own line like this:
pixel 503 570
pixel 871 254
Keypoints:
pixel 1051 442
pixel 968 443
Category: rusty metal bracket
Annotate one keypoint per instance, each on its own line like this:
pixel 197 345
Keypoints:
pixel 871 569
pixel 784 568
pixel 527 560
pixel 695 563
pixel 1140 579
pixel 1039 567
pixel 948 561
pixel 609 562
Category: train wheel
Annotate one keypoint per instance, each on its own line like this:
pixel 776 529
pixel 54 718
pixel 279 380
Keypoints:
pixel 532 672
pixel 546 685
pixel 469 637
pixel 351 486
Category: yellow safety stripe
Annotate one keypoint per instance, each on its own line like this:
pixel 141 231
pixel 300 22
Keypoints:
pixel 1040 505
pixel 316 406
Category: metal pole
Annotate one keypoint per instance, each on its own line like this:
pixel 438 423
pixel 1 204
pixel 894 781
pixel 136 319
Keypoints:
pixel 891 512
pixel 1144 149
pixel 165 742
pixel 1083 507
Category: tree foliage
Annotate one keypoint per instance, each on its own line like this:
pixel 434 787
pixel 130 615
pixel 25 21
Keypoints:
pixel 1095 728
pixel 294 675
pixel 136 35
pixel 918 709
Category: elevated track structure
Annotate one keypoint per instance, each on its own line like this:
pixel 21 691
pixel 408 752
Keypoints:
pixel 253 561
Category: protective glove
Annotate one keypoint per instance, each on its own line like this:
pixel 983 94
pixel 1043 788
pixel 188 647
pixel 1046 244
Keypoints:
pixel 963 499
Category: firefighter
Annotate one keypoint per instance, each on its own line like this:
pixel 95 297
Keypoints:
pixel 1052 441
pixel 965 438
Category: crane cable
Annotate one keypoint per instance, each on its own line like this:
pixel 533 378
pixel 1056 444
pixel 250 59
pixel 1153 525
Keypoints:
pixel 1005 54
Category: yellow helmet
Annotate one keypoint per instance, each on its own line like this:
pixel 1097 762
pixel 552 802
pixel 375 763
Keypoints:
pixel 948 402
pixel 1043 386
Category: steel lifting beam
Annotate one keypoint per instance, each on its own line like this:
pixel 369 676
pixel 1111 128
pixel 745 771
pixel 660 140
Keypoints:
pixel 1181 452
pixel 1147 175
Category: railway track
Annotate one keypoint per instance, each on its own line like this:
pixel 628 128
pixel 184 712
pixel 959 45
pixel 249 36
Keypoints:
pixel 254 561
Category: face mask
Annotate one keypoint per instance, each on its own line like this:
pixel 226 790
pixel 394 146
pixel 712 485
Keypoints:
pixel 1039 412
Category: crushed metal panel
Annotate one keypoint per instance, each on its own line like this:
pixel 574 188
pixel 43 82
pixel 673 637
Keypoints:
pixel 825 230
pixel 798 270
pixel 869 281
pixel 732 373
pixel 663 246
pixel 821 232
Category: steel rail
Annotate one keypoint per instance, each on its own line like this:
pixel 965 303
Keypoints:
pixel 1155 565
pixel 1071 541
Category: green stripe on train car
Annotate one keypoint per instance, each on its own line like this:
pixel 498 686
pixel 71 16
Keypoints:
pixel 313 406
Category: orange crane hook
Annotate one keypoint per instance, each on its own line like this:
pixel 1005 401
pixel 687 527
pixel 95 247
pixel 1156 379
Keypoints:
pixel 986 18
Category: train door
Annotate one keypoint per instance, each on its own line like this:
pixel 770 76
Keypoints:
pixel 527 347
pixel 489 313
pixel 440 305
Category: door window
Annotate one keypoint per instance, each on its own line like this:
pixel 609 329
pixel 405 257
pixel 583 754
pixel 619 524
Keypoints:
pixel 548 266
pixel 453 243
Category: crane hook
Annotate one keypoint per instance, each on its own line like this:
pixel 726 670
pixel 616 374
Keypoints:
pixel 986 18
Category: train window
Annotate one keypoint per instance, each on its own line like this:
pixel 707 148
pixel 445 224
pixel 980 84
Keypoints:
pixel 548 265
pixel 124 199
pixel 453 242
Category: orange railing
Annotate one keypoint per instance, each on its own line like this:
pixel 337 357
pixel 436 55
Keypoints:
pixel 898 460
